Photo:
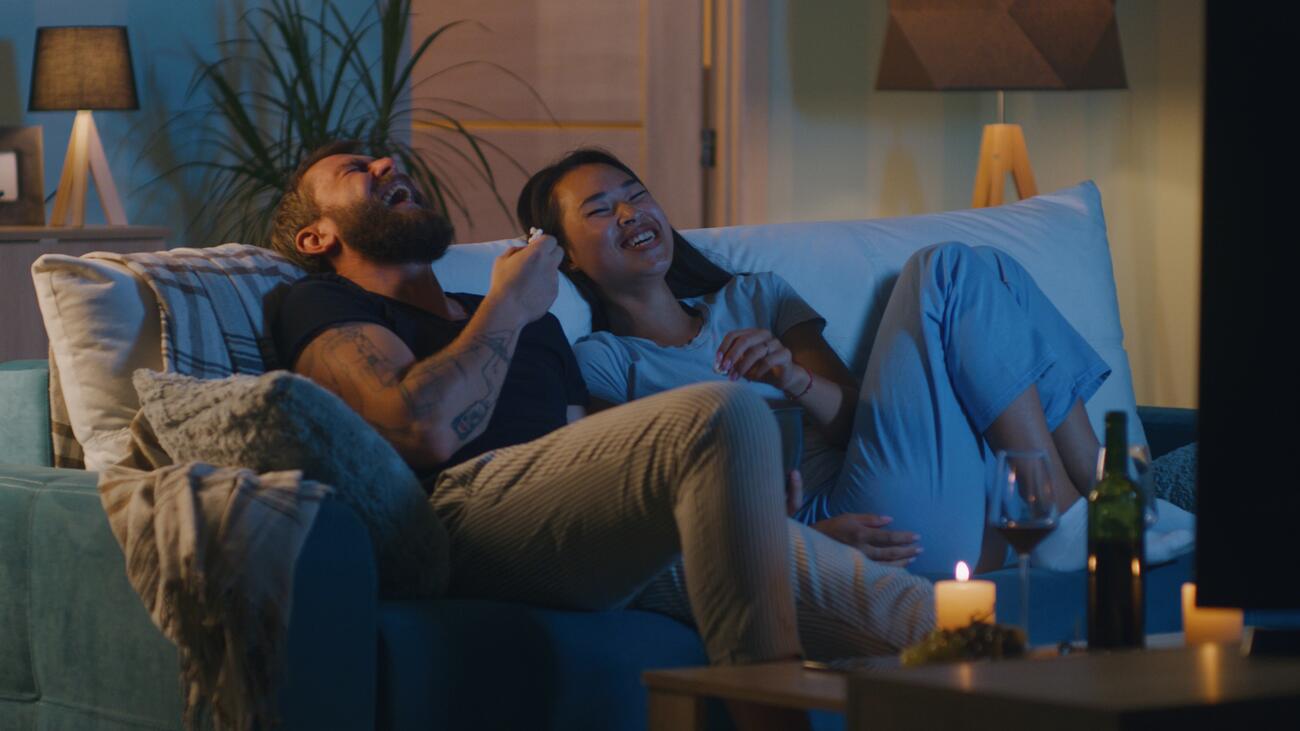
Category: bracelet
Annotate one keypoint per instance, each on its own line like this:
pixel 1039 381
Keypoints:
pixel 794 397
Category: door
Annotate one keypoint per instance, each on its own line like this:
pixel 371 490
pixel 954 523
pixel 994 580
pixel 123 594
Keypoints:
pixel 621 74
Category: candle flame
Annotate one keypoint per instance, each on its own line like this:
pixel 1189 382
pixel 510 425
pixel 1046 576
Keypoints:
pixel 963 571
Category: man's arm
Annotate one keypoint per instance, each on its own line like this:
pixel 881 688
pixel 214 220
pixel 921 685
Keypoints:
pixel 429 408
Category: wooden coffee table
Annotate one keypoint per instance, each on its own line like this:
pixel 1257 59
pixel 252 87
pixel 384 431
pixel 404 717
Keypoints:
pixel 678 697
pixel 1208 686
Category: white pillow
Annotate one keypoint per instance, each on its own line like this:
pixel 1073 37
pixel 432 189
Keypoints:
pixel 102 323
pixel 845 270
pixel 468 268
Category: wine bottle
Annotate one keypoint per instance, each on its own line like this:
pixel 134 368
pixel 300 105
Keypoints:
pixel 1116 556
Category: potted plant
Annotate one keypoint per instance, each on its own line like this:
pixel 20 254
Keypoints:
pixel 295 81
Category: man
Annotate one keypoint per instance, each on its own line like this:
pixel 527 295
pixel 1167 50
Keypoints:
pixel 482 394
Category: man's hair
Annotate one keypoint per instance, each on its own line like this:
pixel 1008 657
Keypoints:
pixel 298 209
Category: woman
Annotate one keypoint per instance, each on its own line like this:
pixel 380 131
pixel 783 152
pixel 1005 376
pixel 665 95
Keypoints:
pixel 969 358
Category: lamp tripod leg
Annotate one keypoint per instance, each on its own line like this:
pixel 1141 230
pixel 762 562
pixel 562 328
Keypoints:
pixel 70 200
pixel 1002 152
pixel 85 158
pixel 108 198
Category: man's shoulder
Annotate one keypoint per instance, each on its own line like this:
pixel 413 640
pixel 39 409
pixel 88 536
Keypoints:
pixel 316 303
pixel 327 296
pixel 324 282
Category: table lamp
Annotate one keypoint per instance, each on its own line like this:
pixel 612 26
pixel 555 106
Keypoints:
pixel 995 45
pixel 83 68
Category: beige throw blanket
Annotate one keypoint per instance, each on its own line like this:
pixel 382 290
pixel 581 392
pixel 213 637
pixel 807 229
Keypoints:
pixel 211 552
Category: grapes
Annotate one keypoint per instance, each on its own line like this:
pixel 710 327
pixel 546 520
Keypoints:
pixel 976 641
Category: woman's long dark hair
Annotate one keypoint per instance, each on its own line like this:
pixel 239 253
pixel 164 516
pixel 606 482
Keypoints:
pixel 690 274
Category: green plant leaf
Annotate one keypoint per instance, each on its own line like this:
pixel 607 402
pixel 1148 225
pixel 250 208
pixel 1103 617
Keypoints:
pixel 293 80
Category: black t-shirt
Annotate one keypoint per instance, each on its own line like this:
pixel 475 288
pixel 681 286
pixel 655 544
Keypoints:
pixel 543 378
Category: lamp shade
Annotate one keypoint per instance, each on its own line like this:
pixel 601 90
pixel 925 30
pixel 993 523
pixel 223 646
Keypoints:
pixel 82 67
pixel 933 45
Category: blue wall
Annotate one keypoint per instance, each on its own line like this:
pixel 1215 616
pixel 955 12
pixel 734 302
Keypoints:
pixel 165 35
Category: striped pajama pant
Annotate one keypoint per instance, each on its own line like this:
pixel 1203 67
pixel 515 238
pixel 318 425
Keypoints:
pixel 673 503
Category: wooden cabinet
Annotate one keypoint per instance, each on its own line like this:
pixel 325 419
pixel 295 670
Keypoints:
pixel 22 333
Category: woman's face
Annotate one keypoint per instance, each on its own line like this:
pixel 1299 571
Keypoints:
pixel 617 234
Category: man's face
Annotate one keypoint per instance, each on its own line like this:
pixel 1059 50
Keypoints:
pixel 378 211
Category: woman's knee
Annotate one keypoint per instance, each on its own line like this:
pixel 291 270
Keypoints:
pixel 942 258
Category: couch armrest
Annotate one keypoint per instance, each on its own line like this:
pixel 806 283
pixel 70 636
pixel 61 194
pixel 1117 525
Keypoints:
pixel 334 627
pixel 77 647
pixel 25 404
pixel 1167 428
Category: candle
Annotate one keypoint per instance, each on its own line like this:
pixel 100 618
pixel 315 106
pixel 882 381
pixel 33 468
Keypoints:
pixel 959 603
pixel 1204 624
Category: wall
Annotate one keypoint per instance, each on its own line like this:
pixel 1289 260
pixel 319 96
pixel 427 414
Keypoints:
pixel 165 35
pixel 840 149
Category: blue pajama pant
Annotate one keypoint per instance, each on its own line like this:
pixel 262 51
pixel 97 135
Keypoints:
pixel 966 330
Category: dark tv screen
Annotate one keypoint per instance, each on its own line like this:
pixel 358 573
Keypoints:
pixel 1248 481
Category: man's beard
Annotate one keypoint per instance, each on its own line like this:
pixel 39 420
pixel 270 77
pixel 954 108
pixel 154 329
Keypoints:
pixel 386 235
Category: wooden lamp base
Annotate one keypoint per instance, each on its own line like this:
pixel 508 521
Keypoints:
pixel 1002 151
pixel 85 155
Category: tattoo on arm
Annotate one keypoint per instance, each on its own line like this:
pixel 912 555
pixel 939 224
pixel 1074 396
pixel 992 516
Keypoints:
pixel 496 346
pixel 466 422
pixel 352 365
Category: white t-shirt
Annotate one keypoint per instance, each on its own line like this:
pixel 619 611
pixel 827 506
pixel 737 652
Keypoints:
pixel 619 369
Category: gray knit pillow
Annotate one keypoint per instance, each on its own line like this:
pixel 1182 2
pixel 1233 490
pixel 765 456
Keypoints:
pixel 1175 477
pixel 282 421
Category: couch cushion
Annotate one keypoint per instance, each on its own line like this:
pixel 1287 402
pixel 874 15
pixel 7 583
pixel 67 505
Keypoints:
pixel 25 430
pixel 480 664
pixel 66 644
pixel 103 321
pixel 468 268
pixel 845 269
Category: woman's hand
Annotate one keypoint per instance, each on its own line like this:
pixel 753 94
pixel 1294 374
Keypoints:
pixel 866 533
pixel 793 492
pixel 757 355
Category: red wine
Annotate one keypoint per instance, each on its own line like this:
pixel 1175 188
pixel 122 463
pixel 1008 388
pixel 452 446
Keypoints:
pixel 1115 590
pixel 1023 538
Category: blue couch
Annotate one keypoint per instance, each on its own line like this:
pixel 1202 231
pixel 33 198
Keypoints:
pixel 77 649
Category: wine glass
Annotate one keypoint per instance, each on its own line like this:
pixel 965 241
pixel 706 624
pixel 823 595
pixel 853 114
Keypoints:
pixel 1139 471
pixel 1024 509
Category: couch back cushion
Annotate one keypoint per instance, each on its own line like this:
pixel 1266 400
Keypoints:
pixel 103 320
pixel 846 270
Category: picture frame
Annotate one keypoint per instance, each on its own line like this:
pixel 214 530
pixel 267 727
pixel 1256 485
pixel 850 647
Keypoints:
pixel 22 177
